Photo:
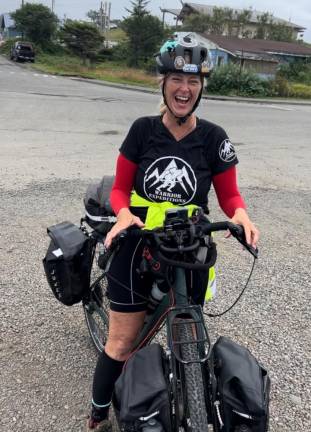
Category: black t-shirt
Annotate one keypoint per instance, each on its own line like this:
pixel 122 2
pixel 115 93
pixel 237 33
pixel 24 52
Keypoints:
pixel 177 171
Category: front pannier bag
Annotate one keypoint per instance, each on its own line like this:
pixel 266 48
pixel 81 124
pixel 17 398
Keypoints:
pixel 67 263
pixel 241 393
pixel 98 212
pixel 141 391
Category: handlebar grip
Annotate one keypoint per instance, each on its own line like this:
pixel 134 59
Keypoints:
pixel 238 232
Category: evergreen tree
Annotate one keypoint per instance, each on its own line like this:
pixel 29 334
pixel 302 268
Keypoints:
pixel 144 32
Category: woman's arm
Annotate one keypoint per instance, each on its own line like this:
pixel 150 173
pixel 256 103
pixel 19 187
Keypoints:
pixel 232 203
pixel 120 198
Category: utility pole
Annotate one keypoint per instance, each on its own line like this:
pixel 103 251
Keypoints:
pixel 101 13
pixel 53 5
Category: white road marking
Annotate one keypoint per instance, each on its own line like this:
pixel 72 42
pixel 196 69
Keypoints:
pixel 279 108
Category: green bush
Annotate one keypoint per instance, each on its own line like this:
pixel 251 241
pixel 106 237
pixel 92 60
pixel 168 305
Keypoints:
pixel 296 71
pixel 300 91
pixel 278 87
pixel 5 48
pixel 232 80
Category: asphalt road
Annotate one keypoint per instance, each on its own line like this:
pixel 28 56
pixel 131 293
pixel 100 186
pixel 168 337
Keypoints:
pixel 59 134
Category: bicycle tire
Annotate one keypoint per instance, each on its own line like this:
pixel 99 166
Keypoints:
pixel 96 305
pixel 196 413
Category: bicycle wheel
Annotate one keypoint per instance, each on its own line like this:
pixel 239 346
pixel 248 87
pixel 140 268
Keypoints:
pixel 195 413
pixel 96 306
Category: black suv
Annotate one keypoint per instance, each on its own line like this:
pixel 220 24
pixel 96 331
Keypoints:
pixel 22 51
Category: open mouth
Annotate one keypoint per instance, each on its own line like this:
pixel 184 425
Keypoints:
pixel 183 100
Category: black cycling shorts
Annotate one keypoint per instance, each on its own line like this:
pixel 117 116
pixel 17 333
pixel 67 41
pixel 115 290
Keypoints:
pixel 128 290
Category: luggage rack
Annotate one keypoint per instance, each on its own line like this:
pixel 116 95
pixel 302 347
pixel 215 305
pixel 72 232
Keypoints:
pixel 191 317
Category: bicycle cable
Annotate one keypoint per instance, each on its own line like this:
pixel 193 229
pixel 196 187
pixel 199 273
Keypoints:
pixel 238 298
pixel 182 295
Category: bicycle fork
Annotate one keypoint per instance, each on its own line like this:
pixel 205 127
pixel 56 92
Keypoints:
pixel 188 343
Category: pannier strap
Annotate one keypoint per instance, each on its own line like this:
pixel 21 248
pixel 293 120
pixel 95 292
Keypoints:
pixel 110 219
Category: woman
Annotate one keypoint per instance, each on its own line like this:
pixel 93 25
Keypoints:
pixel 173 158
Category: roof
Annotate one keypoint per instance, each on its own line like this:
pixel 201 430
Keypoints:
pixel 7 21
pixel 208 9
pixel 237 46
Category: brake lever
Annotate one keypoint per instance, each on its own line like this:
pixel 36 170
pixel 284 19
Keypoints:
pixel 238 232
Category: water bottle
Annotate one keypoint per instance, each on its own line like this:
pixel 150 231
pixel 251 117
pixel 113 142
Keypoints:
pixel 158 291
pixel 152 425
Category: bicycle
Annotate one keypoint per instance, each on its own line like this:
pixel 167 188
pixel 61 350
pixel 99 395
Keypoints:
pixel 188 344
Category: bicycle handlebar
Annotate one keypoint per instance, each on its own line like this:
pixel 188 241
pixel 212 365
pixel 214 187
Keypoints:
pixel 207 228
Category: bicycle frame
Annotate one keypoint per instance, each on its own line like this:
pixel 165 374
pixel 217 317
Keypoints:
pixel 171 313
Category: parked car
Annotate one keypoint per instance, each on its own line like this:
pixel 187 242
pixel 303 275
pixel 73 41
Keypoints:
pixel 22 51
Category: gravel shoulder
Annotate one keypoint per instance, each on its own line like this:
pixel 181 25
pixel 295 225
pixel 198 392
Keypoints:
pixel 46 356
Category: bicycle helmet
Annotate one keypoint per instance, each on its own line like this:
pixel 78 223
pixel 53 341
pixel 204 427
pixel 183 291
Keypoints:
pixel 183 55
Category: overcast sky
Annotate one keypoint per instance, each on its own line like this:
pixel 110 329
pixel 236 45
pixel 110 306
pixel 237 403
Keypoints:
pixel 299 12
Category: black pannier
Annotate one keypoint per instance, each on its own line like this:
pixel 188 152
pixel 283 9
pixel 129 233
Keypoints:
pixel 141 392
pixel 241 388
pixel 67 263
pixel 98 212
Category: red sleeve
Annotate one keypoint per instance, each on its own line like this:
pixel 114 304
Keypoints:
pixel 227 191
pixel 123 184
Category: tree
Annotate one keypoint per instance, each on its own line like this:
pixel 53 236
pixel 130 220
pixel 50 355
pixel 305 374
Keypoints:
pixel 264 21
pixel 281 32
pixel 81 38
pixel 242 18
pixel 94 16
pixel 37 22
pixel 144 32
pixel 218 20
pixel 268 29
pixel 197 22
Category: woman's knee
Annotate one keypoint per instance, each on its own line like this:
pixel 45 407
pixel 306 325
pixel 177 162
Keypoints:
pixel 119 348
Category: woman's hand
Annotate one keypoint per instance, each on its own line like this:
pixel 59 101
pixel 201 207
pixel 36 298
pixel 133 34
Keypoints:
pixel 251 232
pixel 125 219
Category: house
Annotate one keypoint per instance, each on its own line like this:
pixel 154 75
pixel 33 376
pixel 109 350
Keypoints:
pixel 248 29
pixel 7 27
pixel 261 56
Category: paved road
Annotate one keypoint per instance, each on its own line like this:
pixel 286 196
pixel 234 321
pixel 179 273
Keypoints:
pixel 58 134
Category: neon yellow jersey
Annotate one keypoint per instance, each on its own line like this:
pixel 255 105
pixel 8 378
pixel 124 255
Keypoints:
pixel 155 219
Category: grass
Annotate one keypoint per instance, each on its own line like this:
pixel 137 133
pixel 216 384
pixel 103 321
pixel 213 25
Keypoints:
pixel 116 35
pixel 106 71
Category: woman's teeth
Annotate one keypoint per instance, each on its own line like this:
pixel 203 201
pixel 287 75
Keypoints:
pixel 182 99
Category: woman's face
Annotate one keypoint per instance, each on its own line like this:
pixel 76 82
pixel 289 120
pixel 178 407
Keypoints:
pixel 181 92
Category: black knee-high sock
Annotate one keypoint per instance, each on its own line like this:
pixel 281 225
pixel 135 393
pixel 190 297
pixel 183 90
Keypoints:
pixel 107 371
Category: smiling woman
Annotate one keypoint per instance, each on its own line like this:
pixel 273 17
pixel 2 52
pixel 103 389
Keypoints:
pixel 165 161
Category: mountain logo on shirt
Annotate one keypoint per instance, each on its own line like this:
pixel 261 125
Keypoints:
pixel 170 179
pixel 227 151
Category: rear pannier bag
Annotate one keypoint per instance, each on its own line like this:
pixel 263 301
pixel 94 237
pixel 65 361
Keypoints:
pixel 141 391
pixel 241 392
pixel 98 212
pixel 67 263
